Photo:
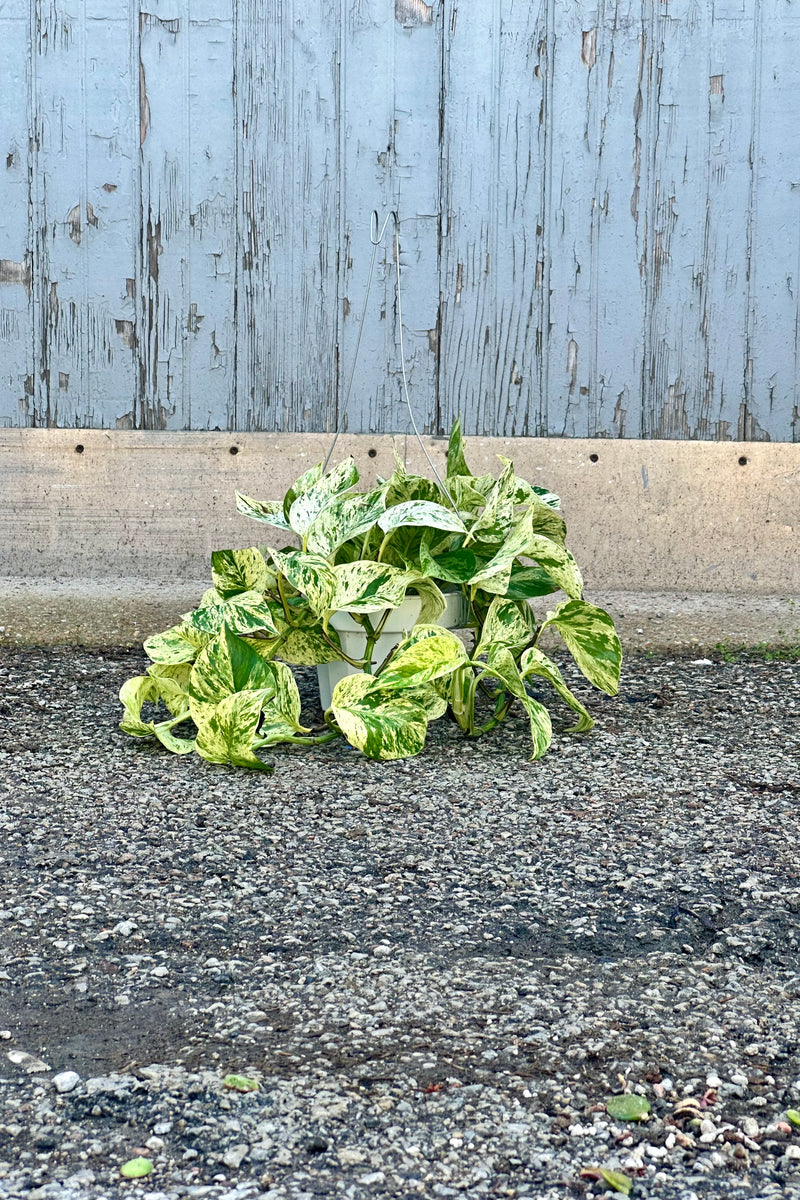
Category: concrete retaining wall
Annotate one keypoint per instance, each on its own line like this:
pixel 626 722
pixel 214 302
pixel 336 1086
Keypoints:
pixel 106 537
pixel 654 516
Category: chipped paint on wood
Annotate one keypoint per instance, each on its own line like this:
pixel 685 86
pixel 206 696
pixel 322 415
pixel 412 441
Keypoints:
pixel 600 206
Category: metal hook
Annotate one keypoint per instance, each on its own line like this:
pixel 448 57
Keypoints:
pixel 376 241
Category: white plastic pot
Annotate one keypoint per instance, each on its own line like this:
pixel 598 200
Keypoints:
pixel 401 620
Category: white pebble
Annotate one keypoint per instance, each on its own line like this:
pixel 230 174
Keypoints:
pixel 66 1081
pixel 233 1158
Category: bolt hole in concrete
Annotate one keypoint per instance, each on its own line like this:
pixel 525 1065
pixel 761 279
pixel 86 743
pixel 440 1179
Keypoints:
pixel 743 461
pixel 373 453
pixel 234 449
pixel 594 458
pixel 79 448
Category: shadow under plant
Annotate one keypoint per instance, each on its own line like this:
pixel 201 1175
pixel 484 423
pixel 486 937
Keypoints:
pixel 438 970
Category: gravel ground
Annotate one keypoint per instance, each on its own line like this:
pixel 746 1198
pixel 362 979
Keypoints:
pixel 438 971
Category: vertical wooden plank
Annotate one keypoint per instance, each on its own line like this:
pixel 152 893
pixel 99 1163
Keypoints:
pixel 187 235
pixel 16 318
pixel 770 406
pixel 618 219
pixel 494 190
pixel 466 375
pixel 368 182
pixel 59 217
pixel 570 220
pixel 163 233
pixel 108 236
pixel 82 252
pixel 674 157
pixel 287 196
pixel 210 267
pixel 414 167
pixel 390 93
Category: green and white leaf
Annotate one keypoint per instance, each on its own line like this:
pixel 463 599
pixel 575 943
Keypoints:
pixel 548 522
pixel 309 574
pixel 553 558
pixel 346 517
pixel 430 699
pixel 226 666
pixel 509 624
pixel 592 641
pixel 402 486
pixel 368 587
pixel 312 501
pixel 504 669
pixel 303 483
pixel 453 566
pixel 498 513
pixel 456 462
pixel 178 673
pixel 421 513
pixel 535 663
pixel 528 582
pixel 432 599
pixel 459 691
pixel 180 644
pixel 308 647
pixel 245 612
pixel 235 571
pixel 429 653
pixel 149 689
pixel 466 494
pixel 269 511
pixel 382 724
pixel 226 731
pixel 286 700
pixel 547 497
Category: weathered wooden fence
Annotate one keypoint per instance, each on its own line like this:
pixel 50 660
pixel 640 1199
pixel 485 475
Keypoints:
pixel 599 202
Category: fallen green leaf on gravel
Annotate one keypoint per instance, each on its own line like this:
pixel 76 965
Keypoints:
pixel 793 1116
pixel 239 1083
pixel 627 1107
pixel 136 1168
pixel 615 1180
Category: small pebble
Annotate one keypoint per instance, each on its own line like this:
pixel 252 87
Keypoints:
pixel 66 1081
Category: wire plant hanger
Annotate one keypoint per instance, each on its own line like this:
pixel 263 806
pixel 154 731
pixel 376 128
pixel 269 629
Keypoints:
pixel 377 234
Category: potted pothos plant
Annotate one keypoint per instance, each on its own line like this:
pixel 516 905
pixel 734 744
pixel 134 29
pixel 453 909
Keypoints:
pixel 471 551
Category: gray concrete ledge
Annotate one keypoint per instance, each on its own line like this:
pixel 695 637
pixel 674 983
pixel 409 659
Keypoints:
pixel 106 536
pixel 89 612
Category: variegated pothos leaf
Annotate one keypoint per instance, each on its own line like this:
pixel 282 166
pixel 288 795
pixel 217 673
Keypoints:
pixel 592 641
pixel 533 662
pixel 509 623
pixel 504 669
pixel 382 724
pixel 429 653
pixel 421 513
pixel 235 571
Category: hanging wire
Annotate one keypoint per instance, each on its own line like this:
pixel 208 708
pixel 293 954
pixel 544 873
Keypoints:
pixel 376 237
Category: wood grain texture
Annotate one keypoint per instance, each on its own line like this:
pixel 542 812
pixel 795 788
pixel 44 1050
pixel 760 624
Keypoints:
pixel 599 204
pixel 16 311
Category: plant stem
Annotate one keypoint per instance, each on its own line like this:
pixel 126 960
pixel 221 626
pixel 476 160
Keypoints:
pixel 284 602
pixel 500 709
pixel 372 637
pixel 319 740
pixel 353 662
